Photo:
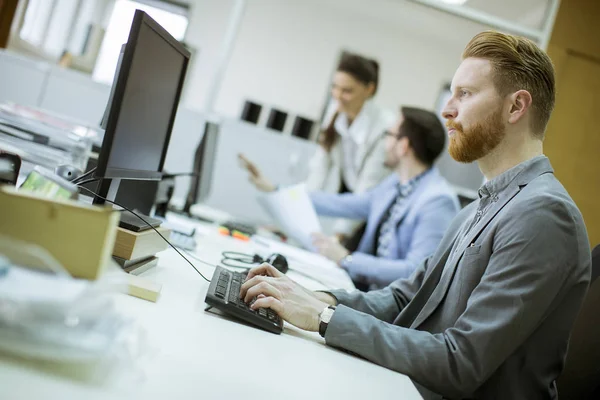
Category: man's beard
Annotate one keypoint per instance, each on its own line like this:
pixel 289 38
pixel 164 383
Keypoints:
pixel 478 141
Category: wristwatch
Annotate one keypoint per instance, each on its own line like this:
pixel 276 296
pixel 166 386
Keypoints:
pixel 324 319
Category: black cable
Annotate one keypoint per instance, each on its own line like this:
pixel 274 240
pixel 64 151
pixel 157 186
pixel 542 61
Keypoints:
pixel 83 182
pixel 80 177
pixel 195 257
pixel 226 254
pixel 155 230
pixel 181 174
pixel 242 258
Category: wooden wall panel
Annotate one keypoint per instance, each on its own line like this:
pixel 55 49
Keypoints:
pixel 7 14
pixel 573 136
pixel 576 26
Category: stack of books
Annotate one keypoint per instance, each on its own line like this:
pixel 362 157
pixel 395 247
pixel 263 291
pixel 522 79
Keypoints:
pixel 136 252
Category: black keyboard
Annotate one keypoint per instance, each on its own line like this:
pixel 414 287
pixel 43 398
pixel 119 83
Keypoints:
pixel 224 294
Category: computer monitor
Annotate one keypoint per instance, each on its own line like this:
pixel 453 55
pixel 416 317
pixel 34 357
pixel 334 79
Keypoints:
pixel 204 162
pixel 104 119
pixel 142 110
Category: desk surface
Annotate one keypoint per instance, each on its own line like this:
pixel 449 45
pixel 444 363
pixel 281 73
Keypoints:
pixel 184 352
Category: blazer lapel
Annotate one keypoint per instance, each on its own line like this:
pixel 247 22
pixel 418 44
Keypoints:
pixel 413 198
pixel 450 268
pixel 410 200
pixel 366 149
pixel 390 197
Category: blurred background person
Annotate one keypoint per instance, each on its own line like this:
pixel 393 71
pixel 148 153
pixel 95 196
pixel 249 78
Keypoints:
pixel 351 154
pixel 407 213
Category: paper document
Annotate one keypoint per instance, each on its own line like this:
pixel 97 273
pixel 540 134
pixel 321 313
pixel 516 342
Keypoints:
pixel 292 209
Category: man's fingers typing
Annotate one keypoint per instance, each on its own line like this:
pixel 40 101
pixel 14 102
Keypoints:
pixel 265 288
pixel 268 302
pixel 264 269
pixel 255 280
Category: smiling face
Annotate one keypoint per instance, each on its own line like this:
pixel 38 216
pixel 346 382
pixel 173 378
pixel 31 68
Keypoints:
pixel 475 112
pixel 350 93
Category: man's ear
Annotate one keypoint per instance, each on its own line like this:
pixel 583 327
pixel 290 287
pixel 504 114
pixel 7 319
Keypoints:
pixel 520 103
pixel 404 144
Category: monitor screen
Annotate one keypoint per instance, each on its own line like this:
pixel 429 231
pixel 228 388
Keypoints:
pixel 144 103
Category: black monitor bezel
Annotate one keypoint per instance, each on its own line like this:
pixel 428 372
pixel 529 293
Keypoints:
pixel 102 169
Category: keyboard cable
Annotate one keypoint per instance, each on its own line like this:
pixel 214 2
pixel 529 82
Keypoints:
pixel 155 230
pixel 188 253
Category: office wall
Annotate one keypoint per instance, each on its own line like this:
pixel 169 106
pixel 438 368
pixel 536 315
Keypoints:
pixel 208 21
pixel 286 51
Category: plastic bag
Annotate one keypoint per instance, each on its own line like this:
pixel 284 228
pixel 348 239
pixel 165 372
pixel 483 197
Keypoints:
pixel 46 314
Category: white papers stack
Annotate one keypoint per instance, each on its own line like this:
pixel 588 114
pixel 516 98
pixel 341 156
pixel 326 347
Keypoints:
pixel 292 209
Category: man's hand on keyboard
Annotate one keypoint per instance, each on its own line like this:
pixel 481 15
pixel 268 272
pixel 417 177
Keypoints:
pixel 272 289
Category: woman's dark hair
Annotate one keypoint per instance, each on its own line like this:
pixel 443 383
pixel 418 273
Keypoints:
pixel 425 133
pixel 364 70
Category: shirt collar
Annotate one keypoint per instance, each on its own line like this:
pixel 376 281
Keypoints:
pixel 407 188
pixel 359 129
pixel 494 187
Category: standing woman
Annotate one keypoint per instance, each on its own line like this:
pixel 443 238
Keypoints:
pixel 351 152
pixel 350 157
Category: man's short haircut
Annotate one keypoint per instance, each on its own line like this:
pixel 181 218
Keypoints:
pixel 425 133
pixel 518 64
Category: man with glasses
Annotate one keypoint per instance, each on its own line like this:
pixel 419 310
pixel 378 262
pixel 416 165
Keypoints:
pixel 406 214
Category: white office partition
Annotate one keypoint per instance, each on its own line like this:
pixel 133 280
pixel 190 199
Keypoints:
pixel 75 95
pixel 22 79
pixel 284 159
pixel 187 133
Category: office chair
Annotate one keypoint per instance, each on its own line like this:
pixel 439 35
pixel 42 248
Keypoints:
pixel 581 374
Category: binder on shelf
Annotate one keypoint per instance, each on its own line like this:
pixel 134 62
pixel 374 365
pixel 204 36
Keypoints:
pixel 302 127
pixel 276 120
pixel 251 112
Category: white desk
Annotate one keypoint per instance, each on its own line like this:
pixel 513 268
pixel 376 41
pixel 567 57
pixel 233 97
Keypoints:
pixel 193 354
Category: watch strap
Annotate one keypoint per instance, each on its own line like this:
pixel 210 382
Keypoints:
pixel 322 324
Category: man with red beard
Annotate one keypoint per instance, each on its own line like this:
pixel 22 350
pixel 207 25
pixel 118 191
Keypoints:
pixel 488 315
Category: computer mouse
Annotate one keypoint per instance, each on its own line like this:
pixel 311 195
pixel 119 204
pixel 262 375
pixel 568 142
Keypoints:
pixel 67 172
pixel 278 261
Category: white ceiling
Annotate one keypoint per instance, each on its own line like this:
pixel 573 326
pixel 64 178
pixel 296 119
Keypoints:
pixel 527 12
pixel 530 13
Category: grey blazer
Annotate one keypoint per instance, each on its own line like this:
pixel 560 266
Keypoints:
pixel 491 319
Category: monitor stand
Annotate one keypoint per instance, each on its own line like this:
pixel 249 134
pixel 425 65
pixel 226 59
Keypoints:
pixel 108 189
pixel 127 219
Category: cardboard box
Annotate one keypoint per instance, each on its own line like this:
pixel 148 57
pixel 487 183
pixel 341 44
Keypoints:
pixel 81 237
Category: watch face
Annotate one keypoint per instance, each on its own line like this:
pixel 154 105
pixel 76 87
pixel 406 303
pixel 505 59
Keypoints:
pixel 327 314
